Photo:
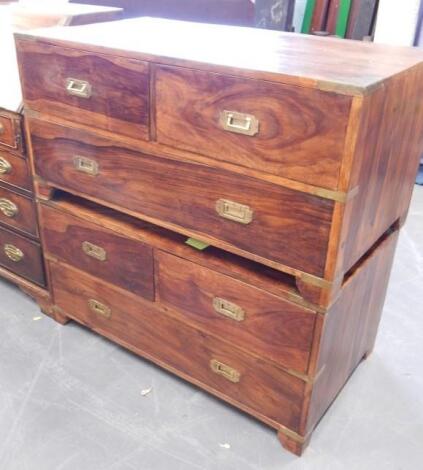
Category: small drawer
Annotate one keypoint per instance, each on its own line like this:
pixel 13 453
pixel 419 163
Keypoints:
pixel 10 131
pixel 98 251
pixel 242 314
pixel 14 171
pixel 22 256
pixel 251 383
pixel 18 211
pixel 289 131
pixel 110 93
pixel 253 217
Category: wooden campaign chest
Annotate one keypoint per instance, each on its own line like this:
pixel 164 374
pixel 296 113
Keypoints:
pixel 289 160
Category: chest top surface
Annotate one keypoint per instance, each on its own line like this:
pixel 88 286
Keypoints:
pixel 344 66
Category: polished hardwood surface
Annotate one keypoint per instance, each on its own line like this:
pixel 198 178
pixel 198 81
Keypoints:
pixel 14 171
pixel 21 256
pixel 295 165
pixel 118 101
pixel 183 196
pixel 349 67
pixel 301 131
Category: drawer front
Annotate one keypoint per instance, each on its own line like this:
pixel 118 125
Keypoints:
pixel 97 90
pixel 10 131
pixel 289 131
pixel 248 317
pixel 116 259
pixel 266 220
pixel 14 170
pixel 18 211
pixel 21 256
pixel 251 382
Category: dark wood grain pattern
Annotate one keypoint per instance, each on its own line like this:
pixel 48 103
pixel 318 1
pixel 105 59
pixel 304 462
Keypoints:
pixel 347 67
pixel 31 265
pixel 288 227
pixel 10 131
pixel 25 218
pixel 120 88
pixel 127 263
pixel 263 390
pixel 14 170
pixel 350 328
pixel 270 280
pixel 301 131
pixel 271 327
pixel 387 153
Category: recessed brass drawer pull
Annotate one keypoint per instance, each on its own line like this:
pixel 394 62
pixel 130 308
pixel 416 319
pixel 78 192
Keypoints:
pixel 229 373
pixel 8 208
pixel 13 252
pixel 5 166
pixel 240 123
pixel 79 88
pixel 228 309
pixel 94 251
pixel 99 308
pixel 85 165
pixel 234 211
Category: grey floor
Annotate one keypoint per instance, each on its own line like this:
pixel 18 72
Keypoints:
pixel 70 400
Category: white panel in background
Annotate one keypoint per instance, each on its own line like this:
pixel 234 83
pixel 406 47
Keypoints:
pixel 397 21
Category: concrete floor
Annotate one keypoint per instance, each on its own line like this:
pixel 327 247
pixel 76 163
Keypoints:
pixel 70 400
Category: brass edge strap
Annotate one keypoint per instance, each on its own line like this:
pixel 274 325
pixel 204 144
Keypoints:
pixel 315 281
pixel 292 434
pixel 324 193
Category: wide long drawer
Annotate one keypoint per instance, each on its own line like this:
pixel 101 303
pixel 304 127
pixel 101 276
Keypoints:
pixel 251 383
pixel 236 311
pixel 289 131
pixel 18 211
pixel 96 250
pixel 22 256
pixel 110 93
pixel 273 224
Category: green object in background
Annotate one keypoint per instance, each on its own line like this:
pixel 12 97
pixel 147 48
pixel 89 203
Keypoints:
pixel 342 20
pixel 197 244
pixel 308 16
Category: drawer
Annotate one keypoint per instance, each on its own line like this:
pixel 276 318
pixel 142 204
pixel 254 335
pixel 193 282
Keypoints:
pixel 289 131
pixel 10 131
pixel 22 256
pixel 252 383
pixel 110 93
pixel 14 170
pixel 116 259
pixel 18 211
pixel 249 216
pixel 246 316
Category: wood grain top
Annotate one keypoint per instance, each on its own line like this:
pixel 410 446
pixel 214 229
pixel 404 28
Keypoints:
pixel 344 66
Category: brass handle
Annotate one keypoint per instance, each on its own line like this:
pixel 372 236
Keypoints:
pixel 225 371
pixel 228 309
pixel 1 128
pixel 94 251
pixel 8 208
pixel 99 308
pixel 5 166
pixel 85 165
pixel 240 123
pixel 234 211
pixel 79 88
pixel 13 252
